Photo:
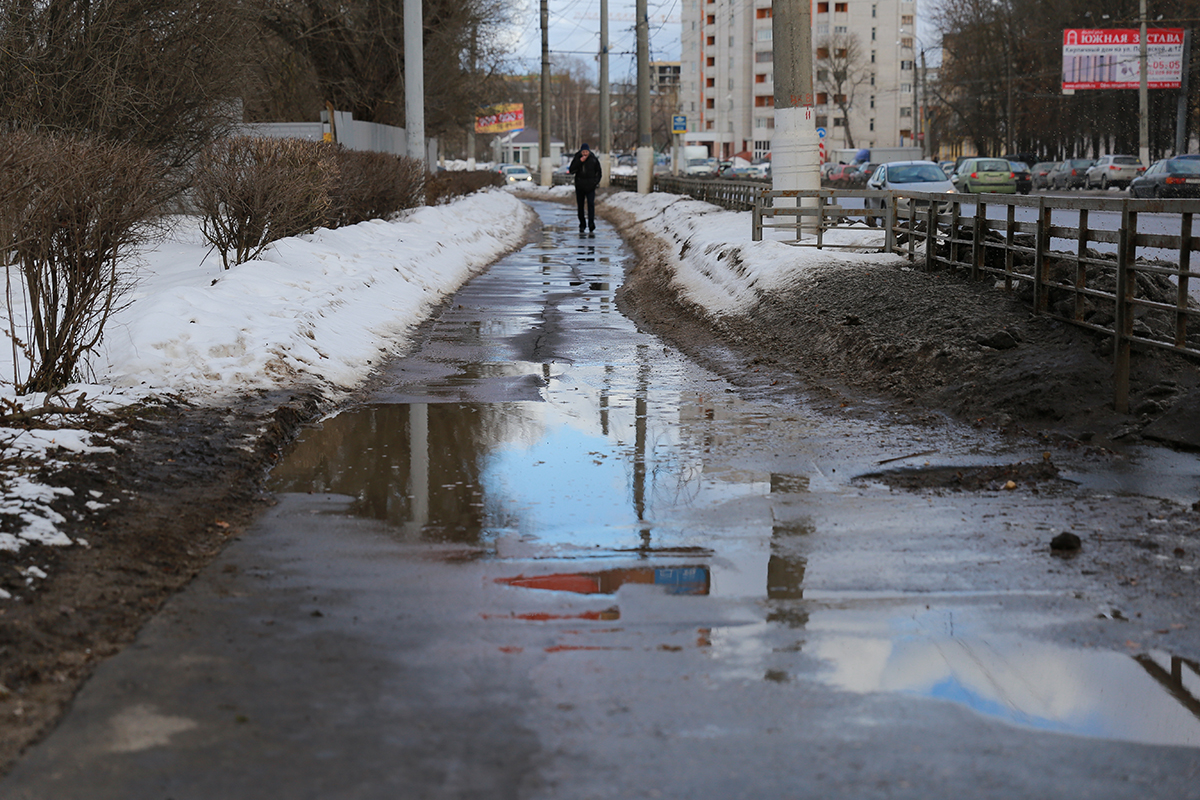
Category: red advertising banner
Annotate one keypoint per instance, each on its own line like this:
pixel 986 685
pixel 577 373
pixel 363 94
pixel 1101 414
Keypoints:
pixel 501 119
pixel 1111 59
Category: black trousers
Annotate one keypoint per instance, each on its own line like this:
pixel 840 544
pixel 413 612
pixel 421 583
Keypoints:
pixel 588 196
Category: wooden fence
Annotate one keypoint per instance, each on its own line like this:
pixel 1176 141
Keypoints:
pixel 1148 242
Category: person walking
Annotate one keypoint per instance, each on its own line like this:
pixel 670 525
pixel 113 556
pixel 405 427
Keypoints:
pixel 586 169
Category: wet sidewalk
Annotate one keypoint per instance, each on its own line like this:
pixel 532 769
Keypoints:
pixel 552 557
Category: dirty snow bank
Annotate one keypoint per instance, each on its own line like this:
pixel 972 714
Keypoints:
pixel 718 267
pixel 323 308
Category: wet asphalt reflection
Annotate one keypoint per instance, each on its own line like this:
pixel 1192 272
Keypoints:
pixel 553 558
pixel 538 427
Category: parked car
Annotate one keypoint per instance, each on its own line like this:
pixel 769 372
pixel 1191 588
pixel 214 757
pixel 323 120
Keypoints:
pixel 865 171
pixel 1171 177
pixel 1022 174
pixel 911 176
pixel 947 167
pixel 985 175
pixel 1116 171
pixel 1071 174
pixel 516 173
pixel 840 177
pixel 1039 174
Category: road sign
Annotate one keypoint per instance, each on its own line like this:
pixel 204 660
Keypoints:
pixel 820 133
pixel 679 123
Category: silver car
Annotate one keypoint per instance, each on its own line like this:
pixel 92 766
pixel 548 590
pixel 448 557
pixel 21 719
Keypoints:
pixel 1116 171
pixel 906 176
pixel 516 174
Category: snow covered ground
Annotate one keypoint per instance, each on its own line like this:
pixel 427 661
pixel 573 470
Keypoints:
pixel 325 308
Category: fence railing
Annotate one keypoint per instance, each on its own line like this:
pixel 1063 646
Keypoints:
pixel 1135 290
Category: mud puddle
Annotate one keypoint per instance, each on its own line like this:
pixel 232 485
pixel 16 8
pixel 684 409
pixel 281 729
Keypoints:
pixel 599 494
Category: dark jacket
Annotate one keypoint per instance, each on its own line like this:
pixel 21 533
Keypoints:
pixel 587 173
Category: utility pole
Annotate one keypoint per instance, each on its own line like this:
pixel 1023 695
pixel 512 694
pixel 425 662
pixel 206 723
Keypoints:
pixel 794 161
pixel 1143 93
pixel 605 152
pixel 544 167
pixel 414 82
pixel 645 148
pixel 1181 137
pixel 471 126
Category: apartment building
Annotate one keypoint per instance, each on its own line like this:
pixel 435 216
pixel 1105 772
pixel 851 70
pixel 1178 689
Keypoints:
pixel 864 79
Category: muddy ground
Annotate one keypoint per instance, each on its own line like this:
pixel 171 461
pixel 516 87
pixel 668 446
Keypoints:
pixel 191 478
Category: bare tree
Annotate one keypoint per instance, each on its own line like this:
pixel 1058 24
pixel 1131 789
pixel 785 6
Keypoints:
pixel 840 70
pixel 163 74
pixel 352 54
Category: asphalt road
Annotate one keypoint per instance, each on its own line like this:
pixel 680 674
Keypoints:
pixel 552 558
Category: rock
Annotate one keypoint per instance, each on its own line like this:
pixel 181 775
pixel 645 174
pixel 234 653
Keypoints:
pixel 1065 543
pixel 1000 340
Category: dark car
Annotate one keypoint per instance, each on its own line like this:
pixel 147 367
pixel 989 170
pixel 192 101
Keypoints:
pixel 1039 174
pixel 1023 175
pixel 1171 177
pixel 1072 173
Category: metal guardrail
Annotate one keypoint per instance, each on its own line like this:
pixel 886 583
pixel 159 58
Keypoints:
pixel 1078 286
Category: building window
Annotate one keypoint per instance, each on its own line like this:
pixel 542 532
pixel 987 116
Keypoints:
pixel 764 57
pixel 822 74
pixel 871 125
pixel 822 98
pixel 872 11
pixel 841 8
pixel 906 111
pixel 730 84
pixel 822 28
pixel 906 65
pixel 711 41
pixel 711 61
pixel 762 35
pixel 760 78
pixel 872 78
pixel 872 101
pixel 710 103
pixel 764 101
pixel 708 125
pixel 763 13
pixel 731 41
pixel 822 121
pixel 711 19
pixel 872 34
pixel 822 52
pixel 839 122
pixel 710 83
pixel 906 88
pixel 906 42
pixel 839 29
pixel 872 56
pixel 906 19
pixel 822 8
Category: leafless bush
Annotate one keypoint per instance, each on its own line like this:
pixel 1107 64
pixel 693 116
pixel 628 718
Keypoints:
pixel 251 191
pixel 73 208
pixel 375 185
pixel 445 186
pixel 163 74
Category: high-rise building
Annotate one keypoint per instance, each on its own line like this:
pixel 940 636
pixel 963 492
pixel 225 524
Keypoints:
pixel 864 75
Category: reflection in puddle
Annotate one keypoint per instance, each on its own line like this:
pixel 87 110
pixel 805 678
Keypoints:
pixel 951 655
pixel 672 580
pixel 570 471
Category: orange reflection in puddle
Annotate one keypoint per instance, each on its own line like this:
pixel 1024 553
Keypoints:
pixel 541 616
pixel 691 580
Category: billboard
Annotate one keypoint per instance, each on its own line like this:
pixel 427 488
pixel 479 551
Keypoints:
pixel 1110 58
pixel 501 118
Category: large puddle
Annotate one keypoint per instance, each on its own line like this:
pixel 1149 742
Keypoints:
pixel 600 478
